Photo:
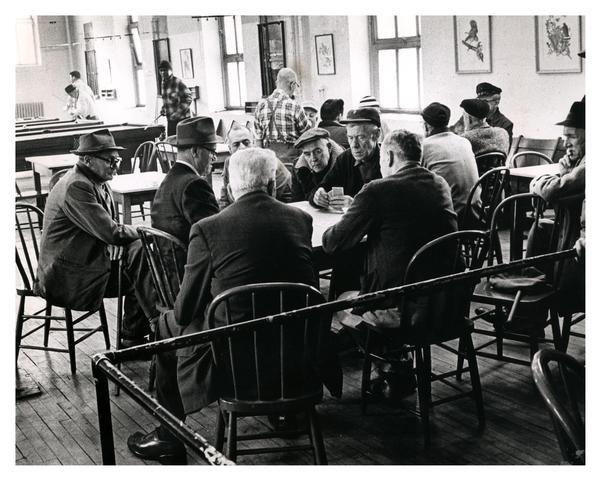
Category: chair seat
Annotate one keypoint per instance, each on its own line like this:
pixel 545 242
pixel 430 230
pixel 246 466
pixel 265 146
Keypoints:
pixel 265 407
pixel 486 293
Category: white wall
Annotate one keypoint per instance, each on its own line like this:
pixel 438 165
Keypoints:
pixel 533 101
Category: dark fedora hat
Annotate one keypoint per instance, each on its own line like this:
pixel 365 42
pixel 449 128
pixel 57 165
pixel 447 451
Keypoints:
pixel 363 115
pixel 97 141
pixel 575 117
pixel 196 131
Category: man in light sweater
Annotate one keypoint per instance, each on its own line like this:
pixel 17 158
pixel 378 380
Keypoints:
pixel 450 156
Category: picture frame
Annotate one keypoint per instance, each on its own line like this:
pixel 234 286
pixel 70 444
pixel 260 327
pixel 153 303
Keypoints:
pixel 325 53
pixel 187 63
pixel 557 43
pixel 473 43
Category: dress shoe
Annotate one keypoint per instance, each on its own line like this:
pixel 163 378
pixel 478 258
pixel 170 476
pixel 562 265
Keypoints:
pixel 150 447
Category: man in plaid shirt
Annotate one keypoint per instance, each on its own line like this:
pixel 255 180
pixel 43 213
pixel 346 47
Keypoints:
pixel 280 120
pixel 176 97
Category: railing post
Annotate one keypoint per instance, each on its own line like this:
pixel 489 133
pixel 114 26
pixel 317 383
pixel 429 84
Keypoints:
pixel 104 416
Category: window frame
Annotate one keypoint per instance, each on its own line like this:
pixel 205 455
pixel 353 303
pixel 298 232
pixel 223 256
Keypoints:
pixel 230 58
pixel 36 42
pixel 397 43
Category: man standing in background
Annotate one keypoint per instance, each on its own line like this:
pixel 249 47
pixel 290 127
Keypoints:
pixel 176 97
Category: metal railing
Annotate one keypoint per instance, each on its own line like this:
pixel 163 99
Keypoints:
pixel 104 368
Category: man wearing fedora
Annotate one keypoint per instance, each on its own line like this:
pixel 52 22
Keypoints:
pixel 82 241
pixel 357 165
pixel 176 97
pixel 567 191
pixel 184 196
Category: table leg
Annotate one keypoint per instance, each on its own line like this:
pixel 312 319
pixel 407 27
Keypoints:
pixel 37 182
pixel 126 211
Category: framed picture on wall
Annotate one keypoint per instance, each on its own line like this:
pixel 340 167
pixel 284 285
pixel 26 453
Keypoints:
pixel 325 54
pixel 557 43
pixel 473 44
pixel 187 63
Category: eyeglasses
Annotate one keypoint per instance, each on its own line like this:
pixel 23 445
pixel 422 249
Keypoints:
pixel 112 161
pixel 213 153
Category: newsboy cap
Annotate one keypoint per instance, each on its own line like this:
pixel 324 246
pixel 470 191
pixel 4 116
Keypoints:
pixel 310 136
pixel 363 115
pixel 436 114
pixel 310 105
pixel 486 89
pixel 97 141
pixel 69 88
pixel 196 131
pixel 575 117
pixel 477 108
pixel 165 64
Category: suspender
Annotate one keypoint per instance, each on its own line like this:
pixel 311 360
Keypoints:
pixel 272 122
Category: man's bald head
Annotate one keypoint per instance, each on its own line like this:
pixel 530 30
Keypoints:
pixel 287 80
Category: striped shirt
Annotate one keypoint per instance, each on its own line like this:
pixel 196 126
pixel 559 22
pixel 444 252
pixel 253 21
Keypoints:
pixel 289 120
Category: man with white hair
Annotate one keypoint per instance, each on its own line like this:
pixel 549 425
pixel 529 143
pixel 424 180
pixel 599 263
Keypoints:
pixel 240 137
pixel 280 119
pixel 255 240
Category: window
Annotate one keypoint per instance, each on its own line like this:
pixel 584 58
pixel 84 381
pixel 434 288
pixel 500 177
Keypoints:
pixel 28 41
pixel 232 51
pixel 396 62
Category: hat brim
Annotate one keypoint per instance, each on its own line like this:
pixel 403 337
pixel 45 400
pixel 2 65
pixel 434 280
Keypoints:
pixel 570 123
pixel 210 141
pixel 359 120
pixel 96 150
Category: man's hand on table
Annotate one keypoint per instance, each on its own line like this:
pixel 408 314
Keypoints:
pixel 115 252
pixel 321 198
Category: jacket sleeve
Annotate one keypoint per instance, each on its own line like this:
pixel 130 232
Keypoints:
pixel 82 208
pixel 353 226
pixel 198 201
pixel 194 294
pixel 550 187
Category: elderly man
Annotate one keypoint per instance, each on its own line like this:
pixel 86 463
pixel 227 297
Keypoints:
pixel 255 240
pixel 240 138
pixel 83 105
pixel 482 136
pixel 184 196
pixel 399 214
pixel 176 97
pixel 331 114
pixel 356 166
pixel 280 120
pixel 569 182
pixel 318 154
pixel 82 241
pixel 312 112
pixel 449 155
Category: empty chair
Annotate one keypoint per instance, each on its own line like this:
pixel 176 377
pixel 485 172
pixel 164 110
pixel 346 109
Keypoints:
pixel 29 222
pixel 56 177
pixel 528 158
pixel 563 391
pixel 166 154
pixel 268 370
pixel 492 186
pixel 549 147
pixel 488 161
pixel 144 158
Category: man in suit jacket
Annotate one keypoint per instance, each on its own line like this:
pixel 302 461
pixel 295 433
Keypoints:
pixel 184 196
pixel 257 239
pixel 82 241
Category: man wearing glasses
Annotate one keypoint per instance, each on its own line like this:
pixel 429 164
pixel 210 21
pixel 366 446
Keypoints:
pixel 83 240
pixel 280 119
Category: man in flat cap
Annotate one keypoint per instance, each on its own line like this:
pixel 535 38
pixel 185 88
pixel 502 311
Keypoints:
pixel 449 155
pixel 240 137
pixel 279 118
pixel 83 240
pixel 491 94
pixel 185 196
pixel 312 112
pixel 331 114
pixel 357 165
pixel 319 152
pixel 82 105
pixel 567 191
pixel 483 137
pixel 176 97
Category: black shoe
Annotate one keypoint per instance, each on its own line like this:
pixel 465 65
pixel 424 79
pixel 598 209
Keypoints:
pixel 150 447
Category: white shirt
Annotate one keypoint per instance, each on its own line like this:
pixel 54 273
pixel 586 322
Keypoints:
pixel 85 106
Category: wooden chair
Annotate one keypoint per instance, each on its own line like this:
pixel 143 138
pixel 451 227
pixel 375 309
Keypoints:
pixel 25 195
pixel 528 158
pixel 440 315
pixel 144 158
pixel 268 370
pixel 29 222
pixel 56 177
pixel 488 161
pixel 492 187
pixel 506 304
pixel 166 155
pixel 563 391
pixel 552 148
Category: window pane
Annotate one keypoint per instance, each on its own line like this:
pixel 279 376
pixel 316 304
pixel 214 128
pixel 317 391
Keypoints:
pixel 242 81
pixel 233 84
pixel 229 28
pixel 26 42
pixel 141 85
pixel 385 26
pixel 407 26
pixel 238 33
pixel 137 45
pixel 409 78
pixel 388 79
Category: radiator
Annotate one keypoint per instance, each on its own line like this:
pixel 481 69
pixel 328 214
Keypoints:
pixel 29 110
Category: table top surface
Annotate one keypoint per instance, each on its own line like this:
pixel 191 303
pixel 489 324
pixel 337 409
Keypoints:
pixel 136 182
pixel 62 160
pixel 322 220
pixel 535 170
pixel 114 128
